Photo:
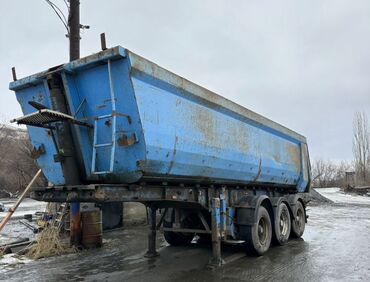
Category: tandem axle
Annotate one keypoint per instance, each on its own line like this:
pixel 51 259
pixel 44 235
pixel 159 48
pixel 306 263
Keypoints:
pixel 238 214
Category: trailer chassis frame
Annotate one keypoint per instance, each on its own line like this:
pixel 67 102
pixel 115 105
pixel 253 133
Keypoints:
pixel 221 201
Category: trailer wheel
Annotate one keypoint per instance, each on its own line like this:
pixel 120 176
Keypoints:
pixel 282 224
pixel 299 221
pixel 258 236
pixel 178 238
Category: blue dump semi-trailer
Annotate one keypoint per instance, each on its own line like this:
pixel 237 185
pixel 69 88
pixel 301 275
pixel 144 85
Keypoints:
pixel 141 133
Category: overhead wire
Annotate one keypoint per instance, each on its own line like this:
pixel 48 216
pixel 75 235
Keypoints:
pixel 59 13
pixel 65 2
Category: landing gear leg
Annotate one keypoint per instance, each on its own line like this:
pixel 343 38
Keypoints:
pixel 152 234
pixel 216 259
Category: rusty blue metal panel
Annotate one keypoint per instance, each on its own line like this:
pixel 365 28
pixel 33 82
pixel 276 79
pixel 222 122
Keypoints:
pixel 191 132
pixel 115 118
pixel 163 127
pixel 39 92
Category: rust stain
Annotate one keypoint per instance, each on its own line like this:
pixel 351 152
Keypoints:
pixel 239 133
pixel 206 97
pixel 276 158
pixel 216 133
pixel 37 151
pixel 204 121
pixel 294 154
pixel 126 140
pixel 276 149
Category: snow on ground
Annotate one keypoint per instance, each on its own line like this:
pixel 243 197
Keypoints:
pixel 9 261
pixel 14 230
pixel 27 206
pixel 339 197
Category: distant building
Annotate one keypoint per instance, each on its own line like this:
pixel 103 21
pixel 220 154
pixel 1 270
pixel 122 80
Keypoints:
pixel 349 180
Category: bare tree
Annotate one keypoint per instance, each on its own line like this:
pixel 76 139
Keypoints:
pixel 323 173
pixel 326 173
pixel 361 147
pixel 16 165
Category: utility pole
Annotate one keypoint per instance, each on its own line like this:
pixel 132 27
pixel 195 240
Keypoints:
pixel 74 29
pixel 74 54
pixel 67 153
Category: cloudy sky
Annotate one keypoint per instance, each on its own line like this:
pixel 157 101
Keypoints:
pixel 304 64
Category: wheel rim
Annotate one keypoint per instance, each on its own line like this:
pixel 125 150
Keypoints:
pixel 262 231
pixel 284 222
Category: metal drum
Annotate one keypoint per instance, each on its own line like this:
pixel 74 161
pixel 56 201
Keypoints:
pixel 92 231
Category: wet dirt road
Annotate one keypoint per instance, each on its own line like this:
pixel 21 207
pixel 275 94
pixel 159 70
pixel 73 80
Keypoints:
pixel 335 247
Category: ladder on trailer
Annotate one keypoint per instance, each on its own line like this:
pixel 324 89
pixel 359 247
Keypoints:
pixel 111 144
pixel 45 118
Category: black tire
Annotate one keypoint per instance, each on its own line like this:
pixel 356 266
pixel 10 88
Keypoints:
pixel 298 221
pixel 178 238
pixel 258 236
pixel 282 224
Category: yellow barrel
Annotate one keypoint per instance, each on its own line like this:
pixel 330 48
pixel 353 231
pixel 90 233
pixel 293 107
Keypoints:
pixel 92 229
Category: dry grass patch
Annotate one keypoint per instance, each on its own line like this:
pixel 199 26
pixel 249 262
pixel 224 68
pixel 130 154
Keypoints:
pixel 48 244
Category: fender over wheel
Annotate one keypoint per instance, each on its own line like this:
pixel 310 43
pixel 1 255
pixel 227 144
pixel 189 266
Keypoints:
pixel 258 236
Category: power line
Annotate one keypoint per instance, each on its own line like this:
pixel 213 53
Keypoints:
pixel 65 2
pixel 59 13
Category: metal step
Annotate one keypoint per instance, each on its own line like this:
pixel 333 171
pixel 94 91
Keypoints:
pixel 111 144
pixel 96 145
pixel 103 145
pixel 45 117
